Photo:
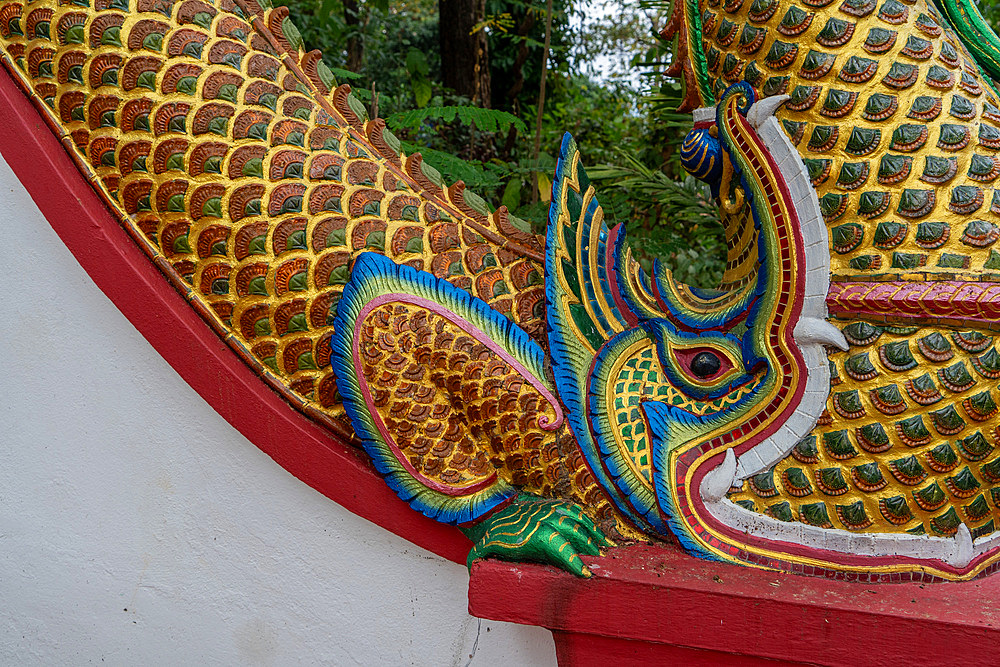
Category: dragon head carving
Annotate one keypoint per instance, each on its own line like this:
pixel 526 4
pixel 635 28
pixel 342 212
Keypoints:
pixel 676 393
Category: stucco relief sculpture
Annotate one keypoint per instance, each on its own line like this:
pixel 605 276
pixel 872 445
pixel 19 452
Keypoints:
pixel 830 409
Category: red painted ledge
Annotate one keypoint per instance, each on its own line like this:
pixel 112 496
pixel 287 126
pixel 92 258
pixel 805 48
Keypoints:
pixel 657 605
pixel 644 603
pixel 134 284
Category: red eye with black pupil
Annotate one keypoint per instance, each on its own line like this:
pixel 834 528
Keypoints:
pixel 705 364
pixel 702 364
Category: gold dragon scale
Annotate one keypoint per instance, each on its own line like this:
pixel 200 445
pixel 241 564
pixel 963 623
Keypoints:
pixel 542 392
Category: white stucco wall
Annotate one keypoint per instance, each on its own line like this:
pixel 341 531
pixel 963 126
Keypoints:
pixel 138 527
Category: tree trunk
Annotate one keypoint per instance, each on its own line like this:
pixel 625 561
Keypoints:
pixel 522 57
pixel 541 90
pixel 355 44
pixel 465 60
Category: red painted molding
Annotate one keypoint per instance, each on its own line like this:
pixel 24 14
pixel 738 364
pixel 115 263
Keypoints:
pixel 649 603
pixel 657 605
pixel 941 302
pixel 132 282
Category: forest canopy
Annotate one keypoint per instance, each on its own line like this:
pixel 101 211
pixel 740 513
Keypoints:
pixel 485 89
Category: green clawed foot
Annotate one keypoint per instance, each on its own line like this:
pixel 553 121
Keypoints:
pixel 531 528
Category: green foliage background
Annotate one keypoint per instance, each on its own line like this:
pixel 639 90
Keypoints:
pixel 604 85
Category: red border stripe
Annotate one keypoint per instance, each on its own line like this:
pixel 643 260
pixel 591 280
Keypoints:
pixel 133 283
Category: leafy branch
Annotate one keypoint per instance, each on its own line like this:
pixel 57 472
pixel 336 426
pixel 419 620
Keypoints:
pixel 686 200
pixel 485 120
pixel 474 175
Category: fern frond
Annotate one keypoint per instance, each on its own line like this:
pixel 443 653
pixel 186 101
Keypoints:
pixel 345 74
pixel 485 120
pixel 456 169
pixel 687 199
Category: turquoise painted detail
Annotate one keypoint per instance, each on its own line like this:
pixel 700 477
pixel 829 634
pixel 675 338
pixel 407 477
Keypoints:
pixel 374 276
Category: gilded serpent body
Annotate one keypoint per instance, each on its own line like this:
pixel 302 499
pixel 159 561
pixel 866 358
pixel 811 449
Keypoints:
pixel 477 362
pixel 899 130
pixel 253 180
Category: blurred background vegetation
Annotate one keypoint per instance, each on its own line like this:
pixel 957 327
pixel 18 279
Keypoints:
pixel 991 12
pixel 462 82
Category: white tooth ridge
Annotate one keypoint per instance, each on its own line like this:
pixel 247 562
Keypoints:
pixel 957 551
pixel 702 114
pixel 814 330
pixel 719 480
pixel 765 108
pixel 963 551
pixel 811 331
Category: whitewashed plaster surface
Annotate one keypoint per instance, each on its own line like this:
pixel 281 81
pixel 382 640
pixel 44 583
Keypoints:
pixel 138 527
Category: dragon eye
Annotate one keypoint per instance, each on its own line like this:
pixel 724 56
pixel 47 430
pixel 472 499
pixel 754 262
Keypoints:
pixel 702 364
pixel 706 364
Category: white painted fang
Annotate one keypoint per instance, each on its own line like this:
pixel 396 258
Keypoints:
pixel 812 333
pixel 720 480
pixel 963 547
pixel 814 330
pixel 765 109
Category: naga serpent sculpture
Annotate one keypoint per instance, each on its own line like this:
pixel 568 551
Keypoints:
pixel 547 394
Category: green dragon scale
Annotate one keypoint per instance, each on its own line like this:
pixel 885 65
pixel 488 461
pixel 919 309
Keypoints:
pixel 828 410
